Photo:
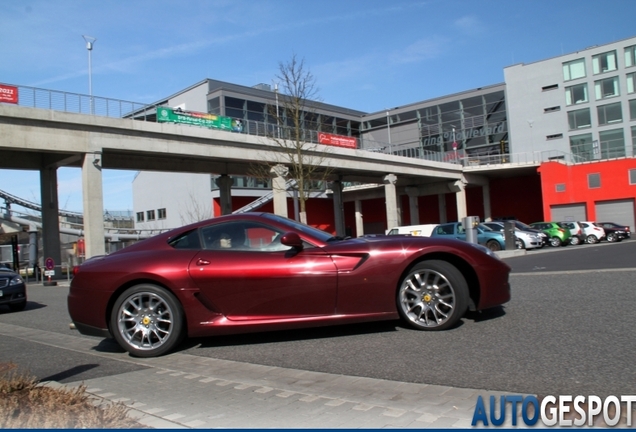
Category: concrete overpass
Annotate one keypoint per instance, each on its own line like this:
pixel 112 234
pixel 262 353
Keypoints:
pixel 43 140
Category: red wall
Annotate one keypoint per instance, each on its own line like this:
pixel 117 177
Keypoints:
pixel 614 176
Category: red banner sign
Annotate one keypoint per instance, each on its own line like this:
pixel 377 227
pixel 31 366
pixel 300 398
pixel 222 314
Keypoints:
pixel 337 140
pixel 8 94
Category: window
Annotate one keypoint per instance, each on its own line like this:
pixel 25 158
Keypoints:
pixel 605 62
pixel 150 215
pixel 611 113
pixel 161 213
pixel 245 236
pixel 555 136
pixel 632 109
pixel 550 87
pixel 140 216
pixel 634 140
pixel 606 88
pixel 579 119
pixel 632 176
pixel 552 109
pixel 594 181
pixel 631 82
pixel 576 94
pixel 612 143
pixel 630 56
pixel 574 69
pixel 560 187
pixel 582 147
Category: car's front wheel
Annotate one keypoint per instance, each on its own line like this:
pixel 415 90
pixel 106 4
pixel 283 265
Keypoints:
pixel 493 245
pixel 555 241
pixel 591 239
pixel 612 237
pixel 575 240
pixel 519 243
pixel 432 296
pixel 147 320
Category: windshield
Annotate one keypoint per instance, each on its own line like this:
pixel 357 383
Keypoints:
pixel 314 232
pixel 522 226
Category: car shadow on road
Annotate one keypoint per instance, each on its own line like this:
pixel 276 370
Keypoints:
pixel 486 315
pixel 31 305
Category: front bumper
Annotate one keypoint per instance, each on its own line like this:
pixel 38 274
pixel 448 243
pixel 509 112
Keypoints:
pixel 13 294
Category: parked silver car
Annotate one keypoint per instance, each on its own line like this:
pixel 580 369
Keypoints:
pixel 523 239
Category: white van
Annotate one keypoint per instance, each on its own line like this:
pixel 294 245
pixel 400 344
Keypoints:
pixel 414 230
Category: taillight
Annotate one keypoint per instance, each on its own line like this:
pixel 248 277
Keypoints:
pixel 76 270
pixel 561 229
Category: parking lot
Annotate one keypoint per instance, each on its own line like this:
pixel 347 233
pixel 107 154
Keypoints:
pixel 567 330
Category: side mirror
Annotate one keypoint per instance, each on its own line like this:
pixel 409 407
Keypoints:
pixel 292 239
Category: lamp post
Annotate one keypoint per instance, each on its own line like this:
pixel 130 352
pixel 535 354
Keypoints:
pixel 388 126
pixel 277 113
pixel 89 46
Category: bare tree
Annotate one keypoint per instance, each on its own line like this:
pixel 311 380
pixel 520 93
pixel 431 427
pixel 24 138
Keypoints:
pixel 194 211
pixel 296 121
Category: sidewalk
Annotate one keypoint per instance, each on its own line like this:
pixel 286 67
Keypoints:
pixel 186 391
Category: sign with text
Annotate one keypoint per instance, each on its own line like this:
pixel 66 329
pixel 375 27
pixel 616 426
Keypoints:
pixel 337 140
pixel 165 114
pixel 8 94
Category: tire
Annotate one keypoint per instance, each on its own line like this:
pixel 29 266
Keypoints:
pixel 612 237
pixel 432 296
pixel 555 241
pixel 147 320
pixel 493 245
pixel 519 244
pixel 591 239
pixel 17 307
pixel 575 240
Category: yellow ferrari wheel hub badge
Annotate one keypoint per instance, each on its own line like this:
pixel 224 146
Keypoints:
pixel 427 298
pixel 145 321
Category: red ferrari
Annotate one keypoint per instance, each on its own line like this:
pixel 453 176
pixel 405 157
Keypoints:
pixel 258 271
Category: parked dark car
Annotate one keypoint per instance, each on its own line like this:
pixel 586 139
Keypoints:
pixel 615 232
pixel 258 271
pixel 12 290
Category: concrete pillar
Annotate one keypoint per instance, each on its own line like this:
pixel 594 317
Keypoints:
pixel 441 202
pixel 225 193
pixel 414 205
pixel 359 218
pixel 338 209
pixel 50 218
pixel 393 218
pixel 279 189
pixel 487 211
pixel 93 205
pixel 460 196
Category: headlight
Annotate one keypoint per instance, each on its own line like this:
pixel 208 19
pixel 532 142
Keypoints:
pixel 485 250
pixel 16 281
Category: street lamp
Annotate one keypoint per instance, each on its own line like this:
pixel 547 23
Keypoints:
pixel 89 46
pixel 277 113
pixel 388 125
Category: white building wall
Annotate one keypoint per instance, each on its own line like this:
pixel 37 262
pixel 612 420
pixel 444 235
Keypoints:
pixel 185 197
pixel 528 96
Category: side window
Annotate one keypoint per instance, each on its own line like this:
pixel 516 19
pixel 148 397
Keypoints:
pixel 189 240
pixel 460 229
pixel 246 236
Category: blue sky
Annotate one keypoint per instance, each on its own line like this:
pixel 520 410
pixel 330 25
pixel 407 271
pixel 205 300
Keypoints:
pixel 366 55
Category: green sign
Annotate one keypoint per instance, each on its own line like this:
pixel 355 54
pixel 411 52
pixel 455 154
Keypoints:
pixel 165 114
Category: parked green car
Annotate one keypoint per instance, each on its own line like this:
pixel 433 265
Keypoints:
pixel 559 236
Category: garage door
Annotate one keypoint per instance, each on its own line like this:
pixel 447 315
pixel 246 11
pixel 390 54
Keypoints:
pixel 619 211
pixel 568 213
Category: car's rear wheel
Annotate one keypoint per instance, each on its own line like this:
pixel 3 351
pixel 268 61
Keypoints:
pixel 555 241
pixel 432 296
pixel 17 307
pixel 147 320
pixel 591 239
pixel 493 245
pixel 612 237
pixel 575 240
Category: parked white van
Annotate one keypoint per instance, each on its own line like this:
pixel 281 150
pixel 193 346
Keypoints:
pixel 414 230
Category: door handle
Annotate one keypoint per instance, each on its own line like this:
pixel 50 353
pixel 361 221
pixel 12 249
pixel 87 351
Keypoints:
pixel 202 262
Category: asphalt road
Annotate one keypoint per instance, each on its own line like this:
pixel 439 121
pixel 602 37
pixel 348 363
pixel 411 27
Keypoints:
pixel 567 330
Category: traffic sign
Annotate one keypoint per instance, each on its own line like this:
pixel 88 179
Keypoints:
pixel 49 264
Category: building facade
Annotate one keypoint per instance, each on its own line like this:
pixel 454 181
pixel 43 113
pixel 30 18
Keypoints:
pixel 560 112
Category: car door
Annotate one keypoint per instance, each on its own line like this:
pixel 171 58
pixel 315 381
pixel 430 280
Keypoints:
pixel 258 279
